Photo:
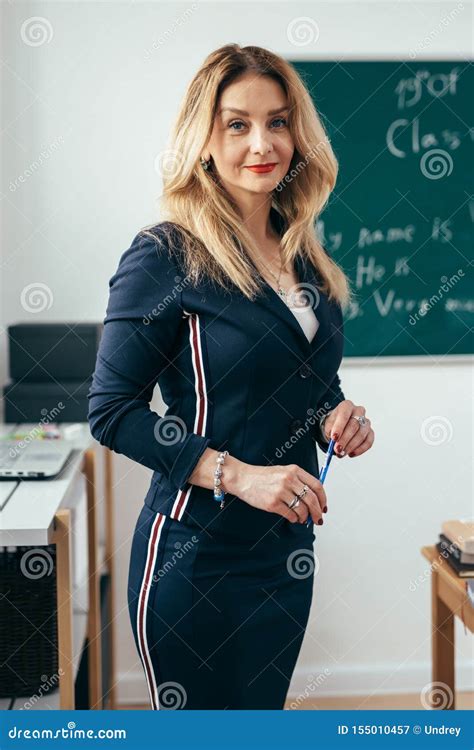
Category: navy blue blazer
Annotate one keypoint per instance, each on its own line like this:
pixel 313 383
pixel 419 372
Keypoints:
pixel 235 375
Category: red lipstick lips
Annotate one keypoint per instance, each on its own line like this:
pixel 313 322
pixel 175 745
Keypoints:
pixel 262 168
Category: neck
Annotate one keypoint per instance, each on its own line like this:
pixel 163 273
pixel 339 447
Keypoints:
pixel 255 212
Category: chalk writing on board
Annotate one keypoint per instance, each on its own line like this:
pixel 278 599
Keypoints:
pixel 388 300
pixel 410 91
pixel 400 220
pixel 408 136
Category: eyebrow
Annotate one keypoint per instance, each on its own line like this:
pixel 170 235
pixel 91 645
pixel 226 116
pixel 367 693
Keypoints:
pixel 246 114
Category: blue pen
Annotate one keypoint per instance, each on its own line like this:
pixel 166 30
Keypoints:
pixel 324 470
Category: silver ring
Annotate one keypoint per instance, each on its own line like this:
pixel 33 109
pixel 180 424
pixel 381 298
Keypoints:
pixel 362 420
pixel 303 491
pixel 294 503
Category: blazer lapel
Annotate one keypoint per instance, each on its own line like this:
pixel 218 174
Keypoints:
pixel 307 279
pixel 311 280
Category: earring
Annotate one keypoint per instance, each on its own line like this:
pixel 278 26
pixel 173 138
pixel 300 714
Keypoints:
pixel 205 163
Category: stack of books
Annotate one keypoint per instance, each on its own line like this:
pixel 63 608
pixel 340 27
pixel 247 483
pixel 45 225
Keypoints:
pixel 456 544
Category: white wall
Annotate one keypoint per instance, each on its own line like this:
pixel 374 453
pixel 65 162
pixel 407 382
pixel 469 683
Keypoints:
pixel 84 117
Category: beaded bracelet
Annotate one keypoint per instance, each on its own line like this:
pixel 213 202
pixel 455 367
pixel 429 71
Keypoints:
pixel 218 491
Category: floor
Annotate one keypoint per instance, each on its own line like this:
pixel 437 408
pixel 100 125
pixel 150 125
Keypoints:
pixel 464 701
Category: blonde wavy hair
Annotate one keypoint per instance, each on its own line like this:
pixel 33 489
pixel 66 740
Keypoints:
pixel 204 219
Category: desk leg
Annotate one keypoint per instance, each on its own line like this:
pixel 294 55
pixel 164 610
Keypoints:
pixel 61 537
pixel 94 630
pixel 442 650
pixel 110 698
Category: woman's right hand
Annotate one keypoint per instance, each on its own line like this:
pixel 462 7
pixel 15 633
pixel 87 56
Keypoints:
pixel 272 488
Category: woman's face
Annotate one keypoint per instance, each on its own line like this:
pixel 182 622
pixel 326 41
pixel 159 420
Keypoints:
pixel 256 134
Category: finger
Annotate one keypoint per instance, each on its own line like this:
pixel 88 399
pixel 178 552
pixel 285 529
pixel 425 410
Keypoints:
pixel 363 447
pixel 310 498
pixel 300 512
pixel 307 510
pixel 288 513
pixel 316 496
pixel 298 509
pixel 341 419
pixel 351 428
pixel 358 438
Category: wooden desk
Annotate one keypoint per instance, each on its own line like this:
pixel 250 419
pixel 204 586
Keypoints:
pixel 36 513
pixel 448 599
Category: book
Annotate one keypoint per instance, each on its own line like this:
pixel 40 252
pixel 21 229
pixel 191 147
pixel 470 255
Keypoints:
pixel 463 557
pixel 463 571
pixel 461 532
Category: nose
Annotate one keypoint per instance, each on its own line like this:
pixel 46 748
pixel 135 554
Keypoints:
pixel 261 141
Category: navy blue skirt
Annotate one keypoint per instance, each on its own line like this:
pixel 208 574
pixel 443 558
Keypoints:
pixel 218 621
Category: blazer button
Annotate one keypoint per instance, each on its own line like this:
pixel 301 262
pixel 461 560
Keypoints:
pixel 295 425
pixel 305 371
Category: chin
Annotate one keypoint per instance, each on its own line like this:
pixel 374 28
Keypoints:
pixel 259 191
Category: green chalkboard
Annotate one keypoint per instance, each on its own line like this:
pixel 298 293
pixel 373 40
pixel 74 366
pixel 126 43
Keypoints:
pixel 400 220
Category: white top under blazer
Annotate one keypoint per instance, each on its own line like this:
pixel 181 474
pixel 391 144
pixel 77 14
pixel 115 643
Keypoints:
pixel 307 319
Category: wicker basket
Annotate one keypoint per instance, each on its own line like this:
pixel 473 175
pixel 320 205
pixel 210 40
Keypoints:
pixel 28 620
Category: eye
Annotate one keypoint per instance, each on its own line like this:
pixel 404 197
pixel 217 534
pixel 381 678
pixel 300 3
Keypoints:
pixel 281 120
pixel 235 122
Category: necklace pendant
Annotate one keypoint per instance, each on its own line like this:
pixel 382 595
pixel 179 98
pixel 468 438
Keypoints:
pixel 281 292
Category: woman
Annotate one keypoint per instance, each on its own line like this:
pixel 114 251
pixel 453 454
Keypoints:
pixel 233 306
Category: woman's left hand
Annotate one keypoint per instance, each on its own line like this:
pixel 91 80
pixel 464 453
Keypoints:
pixel 352 438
